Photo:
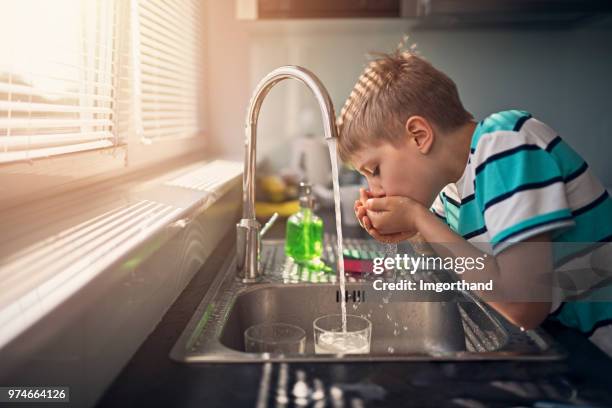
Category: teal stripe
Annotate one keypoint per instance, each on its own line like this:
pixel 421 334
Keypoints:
pixel 510 172
pixel 567 159
pixel 585 314
pixel 452 215
pixel 470 217
pixel 592 225
pixel 498 121
pixel 538 219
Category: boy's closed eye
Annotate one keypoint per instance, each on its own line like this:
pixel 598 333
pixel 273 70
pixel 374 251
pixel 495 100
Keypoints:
pixel 374 171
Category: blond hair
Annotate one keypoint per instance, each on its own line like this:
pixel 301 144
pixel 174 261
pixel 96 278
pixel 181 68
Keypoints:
pixel 393 88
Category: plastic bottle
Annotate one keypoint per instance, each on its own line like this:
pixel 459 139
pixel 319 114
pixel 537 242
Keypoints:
pixel 304 235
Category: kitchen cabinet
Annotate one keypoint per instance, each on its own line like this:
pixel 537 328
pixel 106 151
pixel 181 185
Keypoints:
pixel 286 9
pixel 435 13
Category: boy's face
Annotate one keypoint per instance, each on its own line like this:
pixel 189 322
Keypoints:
pixel 399 170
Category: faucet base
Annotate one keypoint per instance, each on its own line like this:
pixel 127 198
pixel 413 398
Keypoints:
pixel 250 280
pixel 247 250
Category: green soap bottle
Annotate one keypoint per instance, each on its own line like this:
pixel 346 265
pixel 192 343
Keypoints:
pixel 304 236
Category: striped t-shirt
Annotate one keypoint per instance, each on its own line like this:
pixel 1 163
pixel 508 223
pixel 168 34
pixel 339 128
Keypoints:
pixel 521 180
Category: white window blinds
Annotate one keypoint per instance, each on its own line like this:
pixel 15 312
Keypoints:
pixel 169 56
pixel 57 60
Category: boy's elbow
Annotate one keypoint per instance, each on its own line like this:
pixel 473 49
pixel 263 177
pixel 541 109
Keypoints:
pixel 527 315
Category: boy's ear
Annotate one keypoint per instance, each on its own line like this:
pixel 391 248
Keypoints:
pixel 420 133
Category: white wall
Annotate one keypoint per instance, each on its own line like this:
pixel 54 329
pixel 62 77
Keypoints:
pixel 561 76
pixel 227 78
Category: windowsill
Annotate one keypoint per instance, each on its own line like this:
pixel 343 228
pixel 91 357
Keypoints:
pixel 36 179
pixel 53 247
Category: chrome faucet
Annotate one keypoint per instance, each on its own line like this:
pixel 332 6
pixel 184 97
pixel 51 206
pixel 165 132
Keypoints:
pixel 248 241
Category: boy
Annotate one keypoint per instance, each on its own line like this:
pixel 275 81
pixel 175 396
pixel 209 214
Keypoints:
pixel 507 188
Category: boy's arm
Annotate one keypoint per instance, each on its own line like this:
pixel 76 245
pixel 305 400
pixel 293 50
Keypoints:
pixel 521 273
pixel 523 266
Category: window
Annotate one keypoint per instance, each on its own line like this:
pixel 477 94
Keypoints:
pixel 83 75
pixel 170 68
pixel 56 77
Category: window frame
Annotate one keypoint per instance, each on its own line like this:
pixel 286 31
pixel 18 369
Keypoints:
pixel 40 177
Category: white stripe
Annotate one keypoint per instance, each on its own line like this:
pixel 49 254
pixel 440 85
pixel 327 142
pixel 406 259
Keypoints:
pixel 494 143
pixel 525 205
pixel 583 190
pixel 538 132
pixel 465 186
pixel 451 192
pixel 483 237
pixel 531 233
pixel 532 132
pixel 438 207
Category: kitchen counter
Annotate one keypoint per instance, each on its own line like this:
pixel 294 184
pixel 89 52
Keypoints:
pixel 151 379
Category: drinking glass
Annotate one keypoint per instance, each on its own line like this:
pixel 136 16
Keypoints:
pixel 275 338
pixel 330 338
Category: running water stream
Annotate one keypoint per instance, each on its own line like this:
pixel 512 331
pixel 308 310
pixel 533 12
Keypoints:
pixel 331 143
pixel 390 249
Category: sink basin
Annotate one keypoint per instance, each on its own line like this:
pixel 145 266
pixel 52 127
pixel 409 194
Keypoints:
pixel 406 326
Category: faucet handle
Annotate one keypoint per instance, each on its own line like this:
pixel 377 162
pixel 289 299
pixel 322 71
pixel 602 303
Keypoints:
pixel 268 224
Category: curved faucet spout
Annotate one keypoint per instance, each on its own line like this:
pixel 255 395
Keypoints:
pixel 248 242
pixel 259 94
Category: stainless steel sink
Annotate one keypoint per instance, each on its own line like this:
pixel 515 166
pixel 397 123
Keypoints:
pixel 398 327
pixel 407 326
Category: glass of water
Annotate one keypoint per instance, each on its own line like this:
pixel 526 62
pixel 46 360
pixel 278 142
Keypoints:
pixel 275 338
pixel 329 338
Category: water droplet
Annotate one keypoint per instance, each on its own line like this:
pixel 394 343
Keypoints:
pixel 336 393
pixel 388 317
pixel 391 350
pixel 380 306
pixel 354 306
pixel 405 328
pixel 319 392
pixel 395 332
pixel 300 389
pixel 385 300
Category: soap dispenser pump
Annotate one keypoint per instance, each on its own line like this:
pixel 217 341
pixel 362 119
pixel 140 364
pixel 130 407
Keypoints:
pixel 304 235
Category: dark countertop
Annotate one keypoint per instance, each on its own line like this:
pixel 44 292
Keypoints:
pixel 151 379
